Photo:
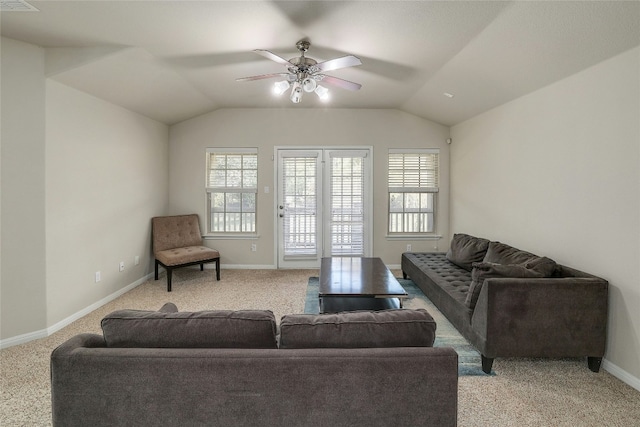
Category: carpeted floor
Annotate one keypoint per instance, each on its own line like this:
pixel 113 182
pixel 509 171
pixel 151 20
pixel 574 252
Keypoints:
pixel 523 392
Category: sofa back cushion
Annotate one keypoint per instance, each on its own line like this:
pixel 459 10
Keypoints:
pixel 202 329
pixel 176 231
pixel 358 329
pixel 466 249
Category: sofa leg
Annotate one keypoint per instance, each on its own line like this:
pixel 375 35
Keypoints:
pixel 218 269
pixel 168 280
pixel 594 363
pixel 487 363
pixel 202 267
pixel 404 275
pixel 156 270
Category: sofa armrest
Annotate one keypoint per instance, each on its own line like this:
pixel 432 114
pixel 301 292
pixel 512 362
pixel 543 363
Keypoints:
pixel 542 317
pixel 85 340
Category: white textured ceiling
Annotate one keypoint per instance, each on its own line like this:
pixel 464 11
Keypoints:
pixel 173 60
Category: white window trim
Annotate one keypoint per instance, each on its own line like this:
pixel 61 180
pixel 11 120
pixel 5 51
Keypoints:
pixel 430 235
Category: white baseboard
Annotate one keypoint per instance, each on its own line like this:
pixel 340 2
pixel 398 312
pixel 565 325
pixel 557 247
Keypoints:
pixel 43 333
pixel 621 374
pixel 240 267
pixel 21 339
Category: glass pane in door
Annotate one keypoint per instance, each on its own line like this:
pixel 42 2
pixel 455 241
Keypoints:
pixel 347 222
pixel 300 201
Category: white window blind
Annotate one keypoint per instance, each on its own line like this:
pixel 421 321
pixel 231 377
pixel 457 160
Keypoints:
pixel 413 171
pixel 413 184
pixel 232 187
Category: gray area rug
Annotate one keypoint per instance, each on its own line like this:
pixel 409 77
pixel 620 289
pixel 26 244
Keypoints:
pixel 469 362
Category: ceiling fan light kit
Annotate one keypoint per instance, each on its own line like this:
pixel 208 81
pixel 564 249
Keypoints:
pixel 280 87
pixel 303 74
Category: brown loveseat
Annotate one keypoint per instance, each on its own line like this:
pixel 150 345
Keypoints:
pixel 177 242
pixel 225 368
pixel 511 303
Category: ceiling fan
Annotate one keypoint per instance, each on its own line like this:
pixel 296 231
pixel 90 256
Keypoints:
pixel 304 74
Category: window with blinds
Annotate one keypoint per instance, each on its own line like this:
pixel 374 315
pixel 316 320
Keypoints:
pixel 232 187
pixel 413 186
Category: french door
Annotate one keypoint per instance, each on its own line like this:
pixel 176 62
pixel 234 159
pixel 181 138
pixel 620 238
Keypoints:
pixel 323 205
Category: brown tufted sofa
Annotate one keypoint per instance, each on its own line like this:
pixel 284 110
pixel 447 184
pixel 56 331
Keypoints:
pixel 511 303
pixel 177 242
pixel 225 368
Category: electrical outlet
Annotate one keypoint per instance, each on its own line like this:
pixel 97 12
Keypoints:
pixel 121 265
pixel 97 276
pixel 136 260
pixel 408 248
pixel 254 247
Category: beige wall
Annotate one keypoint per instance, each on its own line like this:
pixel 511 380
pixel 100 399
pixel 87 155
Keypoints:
pixel 269 128
pixel 22 259
pixel 557 172
pixel 81 179
pixel 107 175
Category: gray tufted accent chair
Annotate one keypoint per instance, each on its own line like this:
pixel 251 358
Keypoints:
pixel 177 242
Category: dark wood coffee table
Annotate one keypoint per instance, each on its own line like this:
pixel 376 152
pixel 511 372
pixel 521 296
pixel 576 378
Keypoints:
pixel 348 284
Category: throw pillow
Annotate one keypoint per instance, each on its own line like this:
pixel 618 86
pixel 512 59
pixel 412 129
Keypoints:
pixel 168 308
pixel 543 265
pixel 484 270
pixel 202 329
pixel 466 249
pixel 358 329
pixel 500 253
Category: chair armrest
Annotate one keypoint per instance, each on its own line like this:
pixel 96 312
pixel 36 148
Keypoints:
pixel 542 317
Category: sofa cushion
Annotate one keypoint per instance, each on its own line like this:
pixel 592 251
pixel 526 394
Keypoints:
pixel 500 253
pixel 202 329
pixel 484 270
pixel 358 329
pixel 466 249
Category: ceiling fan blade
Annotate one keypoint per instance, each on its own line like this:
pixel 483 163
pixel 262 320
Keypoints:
pixel 337 63
pixel 261 77
pixel 390 70
pixel 344 84
pixel 272 56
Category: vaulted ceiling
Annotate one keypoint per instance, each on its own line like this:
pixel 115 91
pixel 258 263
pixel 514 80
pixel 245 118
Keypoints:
pixel 173 60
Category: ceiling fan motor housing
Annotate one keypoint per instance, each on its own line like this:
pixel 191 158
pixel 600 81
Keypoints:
pixel 303 64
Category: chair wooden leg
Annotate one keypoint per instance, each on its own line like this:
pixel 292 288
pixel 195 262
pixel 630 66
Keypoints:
pixel 156 270
pixel 168 279
pixel 202 266
pixel 218 269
